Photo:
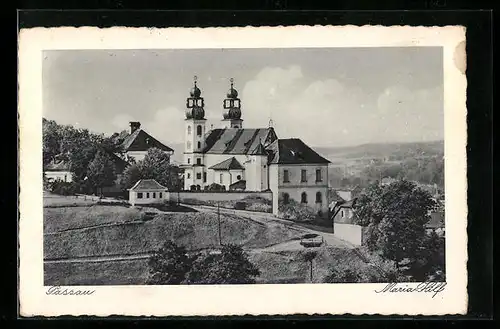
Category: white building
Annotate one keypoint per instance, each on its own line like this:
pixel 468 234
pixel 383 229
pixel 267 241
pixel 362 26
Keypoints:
pixel 58 170
pixel 251 159
pixel 148 191
pixel 137 143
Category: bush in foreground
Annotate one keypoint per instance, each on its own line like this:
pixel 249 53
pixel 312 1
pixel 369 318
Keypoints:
pixel 230 265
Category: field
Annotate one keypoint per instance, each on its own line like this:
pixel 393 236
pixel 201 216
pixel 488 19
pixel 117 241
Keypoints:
pixel 109 244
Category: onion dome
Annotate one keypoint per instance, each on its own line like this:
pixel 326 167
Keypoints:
pixel 195 104
pixel 232 93
pixel 234 113
pixel 195 92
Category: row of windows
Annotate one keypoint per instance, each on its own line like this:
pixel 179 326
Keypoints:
pixel 303 176
pixel 199 130
pixel 188 145
pixel 303 198
pixel 198 161
pixel 221 177
pixel 140 195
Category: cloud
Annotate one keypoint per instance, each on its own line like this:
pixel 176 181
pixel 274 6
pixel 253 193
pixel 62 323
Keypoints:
pixel 331 113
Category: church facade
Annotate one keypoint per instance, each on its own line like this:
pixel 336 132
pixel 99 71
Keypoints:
pixel 250 159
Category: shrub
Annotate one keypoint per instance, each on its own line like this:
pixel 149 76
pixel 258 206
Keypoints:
pixel 62 188
pixel 296 211
pixel 239 205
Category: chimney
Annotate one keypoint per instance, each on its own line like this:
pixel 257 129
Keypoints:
pixel 134 125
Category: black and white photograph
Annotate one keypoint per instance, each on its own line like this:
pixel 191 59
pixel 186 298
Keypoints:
pixel 248 166
pixel 234 166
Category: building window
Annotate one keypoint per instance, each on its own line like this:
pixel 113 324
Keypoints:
pixel 318 197
pixel 160 195
pixel 199 130
pixel 204 177
pixel 198 187
pixel 189 175
pixel 236 126
pixel 154 195
pixel 198 175
pixel 147 195
pixel 318 175
pixel 303 176
pixel 286 177
pixel 238 177
pixel 189 130
pixel 342 213
pixel 303 197
pixel 286 198
pixel 198 161
pixel 221 178
pixel 189 160
pixel 139 195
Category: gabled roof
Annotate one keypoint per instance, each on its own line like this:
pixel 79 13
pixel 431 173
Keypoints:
pixel 140 140
pixel 237 141
pixel 239 185
pixel 294 151
pixel 147 184
pixel 259 150
pixel 228 164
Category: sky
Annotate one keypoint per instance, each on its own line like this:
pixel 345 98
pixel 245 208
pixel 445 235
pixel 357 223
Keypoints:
pixel 328 97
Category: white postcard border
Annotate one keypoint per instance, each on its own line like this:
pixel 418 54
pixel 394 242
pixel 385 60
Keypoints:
pixel 251 299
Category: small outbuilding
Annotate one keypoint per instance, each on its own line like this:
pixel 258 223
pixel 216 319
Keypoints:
pixel 148 191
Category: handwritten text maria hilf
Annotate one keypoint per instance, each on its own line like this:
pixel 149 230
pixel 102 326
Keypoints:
pixel 425 287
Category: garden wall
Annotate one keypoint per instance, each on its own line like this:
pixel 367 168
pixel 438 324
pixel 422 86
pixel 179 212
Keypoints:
pixel 253 201
pixel 349 232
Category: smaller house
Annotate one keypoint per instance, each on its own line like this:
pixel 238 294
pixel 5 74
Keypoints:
pixel 348 193
pixel 436 223
pixel 148 191
pixel 343 211
pixel 58 170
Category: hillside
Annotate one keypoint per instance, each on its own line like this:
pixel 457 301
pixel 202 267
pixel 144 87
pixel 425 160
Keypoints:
pixel 382 150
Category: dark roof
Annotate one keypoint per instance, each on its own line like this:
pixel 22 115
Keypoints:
pixel 349 204
pixel 140 140
pixel 259 150
pixel 293 151
pixel 57 166
pixel 239 185
pixel 237 141
pixel 147 184
pixel 230 163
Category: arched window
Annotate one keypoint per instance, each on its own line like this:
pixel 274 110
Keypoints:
pixel 199 145
pixel 189 130
pixel 286 198
pixel 318 197
pixel 199 130
pixel 303 197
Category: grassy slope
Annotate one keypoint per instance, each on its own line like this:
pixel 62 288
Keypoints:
pixel 283 267
pixel 193 230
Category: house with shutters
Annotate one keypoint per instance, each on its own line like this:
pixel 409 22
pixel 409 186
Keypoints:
pixel 250 159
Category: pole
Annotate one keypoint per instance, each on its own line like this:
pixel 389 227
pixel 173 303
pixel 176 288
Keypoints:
pixel 311 271
pixel 218 221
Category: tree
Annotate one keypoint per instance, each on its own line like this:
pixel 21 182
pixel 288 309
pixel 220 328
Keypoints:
pixel 156 165
pixel 169 265
pixel 295 211
pixel 395 216
pixel 130 176
pixel 101 171
pixel 231 266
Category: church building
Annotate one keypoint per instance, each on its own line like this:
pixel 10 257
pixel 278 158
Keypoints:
pixel 250 159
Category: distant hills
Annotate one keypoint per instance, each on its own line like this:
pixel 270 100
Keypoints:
pixel 397 151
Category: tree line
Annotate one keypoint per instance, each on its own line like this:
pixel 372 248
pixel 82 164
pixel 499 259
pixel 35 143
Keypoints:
pixel 97 161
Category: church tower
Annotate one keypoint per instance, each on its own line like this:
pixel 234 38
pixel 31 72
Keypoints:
pixel 195 123
pixel 232 109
